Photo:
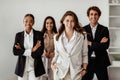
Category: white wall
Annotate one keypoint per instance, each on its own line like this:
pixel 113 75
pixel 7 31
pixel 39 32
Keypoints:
pixel 11 21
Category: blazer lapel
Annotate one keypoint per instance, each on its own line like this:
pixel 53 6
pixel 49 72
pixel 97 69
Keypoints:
pixel 61 46
pixel 21 39
pixel 97 31
pixel 77 39
pixel 89 33
pixel 34 38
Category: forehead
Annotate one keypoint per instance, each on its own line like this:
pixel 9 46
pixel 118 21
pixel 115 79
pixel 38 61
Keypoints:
pixel 69 17
pixel 49 20
pixel 93 11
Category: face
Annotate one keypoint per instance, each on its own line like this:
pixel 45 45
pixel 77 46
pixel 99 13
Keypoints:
pixel 49 24
pixel 69 22
pixel 28 23
pixel 93 17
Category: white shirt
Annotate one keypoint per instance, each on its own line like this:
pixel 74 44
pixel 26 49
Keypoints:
pixel 93 33
pixel 28 44
pixel 68 45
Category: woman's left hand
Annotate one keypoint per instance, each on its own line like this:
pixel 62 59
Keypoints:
pixel 83 72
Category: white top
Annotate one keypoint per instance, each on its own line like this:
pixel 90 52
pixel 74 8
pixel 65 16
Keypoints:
pixel 28 44
pixel 93 33
pixel 68 45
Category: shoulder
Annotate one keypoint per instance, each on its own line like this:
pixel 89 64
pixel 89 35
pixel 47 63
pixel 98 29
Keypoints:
pixel 103 27
pixel 19 33
pixel 81 34
pixel 86 26
pixel 54 37
pixel 36 32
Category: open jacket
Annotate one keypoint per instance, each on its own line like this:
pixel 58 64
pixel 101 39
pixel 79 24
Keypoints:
pixel 38 65
pixel 100 49
pixel 70 61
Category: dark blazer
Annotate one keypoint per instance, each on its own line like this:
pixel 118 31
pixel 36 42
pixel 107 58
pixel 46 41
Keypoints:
pixel 100 49
pixel 38 64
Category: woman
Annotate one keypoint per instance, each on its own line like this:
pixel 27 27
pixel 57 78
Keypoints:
pixel 49 29
pixel 29 47
pixel 70 60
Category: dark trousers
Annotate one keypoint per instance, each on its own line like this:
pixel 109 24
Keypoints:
pixel 101 72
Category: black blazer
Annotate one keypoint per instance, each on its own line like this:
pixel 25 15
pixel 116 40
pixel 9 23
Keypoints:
pixel 100 49
pixel 38 64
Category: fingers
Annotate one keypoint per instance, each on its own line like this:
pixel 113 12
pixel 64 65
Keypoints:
pixel 54 66
pixel 18 46
pixel 38 44
pixel 104 39
pixel 39 41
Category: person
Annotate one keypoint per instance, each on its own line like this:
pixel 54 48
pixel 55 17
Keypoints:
pixel 48 30
pixel 70 60
pixel 98 43
pixel 29 47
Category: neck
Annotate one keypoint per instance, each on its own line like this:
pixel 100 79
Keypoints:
pixel 93 24
pixel 28 31
pixel 69 34
pixel 49 33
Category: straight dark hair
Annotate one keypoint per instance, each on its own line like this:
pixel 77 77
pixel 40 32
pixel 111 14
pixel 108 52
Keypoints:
pixel 44 25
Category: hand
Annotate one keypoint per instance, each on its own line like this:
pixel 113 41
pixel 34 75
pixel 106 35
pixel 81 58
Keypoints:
pixel 38 44
pixel 17 46
pixel 89 43
pixel 104 40
pixel 51 55
pixel 53 66
pixel 83 72
pixel 47 55
pixel 44 54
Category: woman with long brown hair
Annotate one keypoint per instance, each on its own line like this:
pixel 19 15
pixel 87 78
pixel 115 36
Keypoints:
pixel 70 60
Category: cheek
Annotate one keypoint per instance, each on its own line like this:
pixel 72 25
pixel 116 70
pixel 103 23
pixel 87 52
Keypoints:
pixel 31 25
pixel 73 24
pixel 51 26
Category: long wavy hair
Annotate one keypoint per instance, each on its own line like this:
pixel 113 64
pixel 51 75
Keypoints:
pixel 44 25
pixel 77 26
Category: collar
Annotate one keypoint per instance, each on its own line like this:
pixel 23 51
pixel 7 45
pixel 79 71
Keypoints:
pixel 30 34
pixel 74 35
pixel 93 27
pixel 46 34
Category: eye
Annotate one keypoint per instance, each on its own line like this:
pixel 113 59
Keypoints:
pixel 91 14
pixel 47 23
pixel 51 22
pixel 67 20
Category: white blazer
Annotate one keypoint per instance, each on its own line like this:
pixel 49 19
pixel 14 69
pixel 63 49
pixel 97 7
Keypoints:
pixel 70 61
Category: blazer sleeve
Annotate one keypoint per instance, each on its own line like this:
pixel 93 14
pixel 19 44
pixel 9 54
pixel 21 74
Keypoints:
pixel 18 52
pixel 85 51
pixel 97 46
pixel 40 50
pixel 55 51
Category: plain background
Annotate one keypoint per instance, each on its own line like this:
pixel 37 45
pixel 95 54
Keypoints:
pixel 11 21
